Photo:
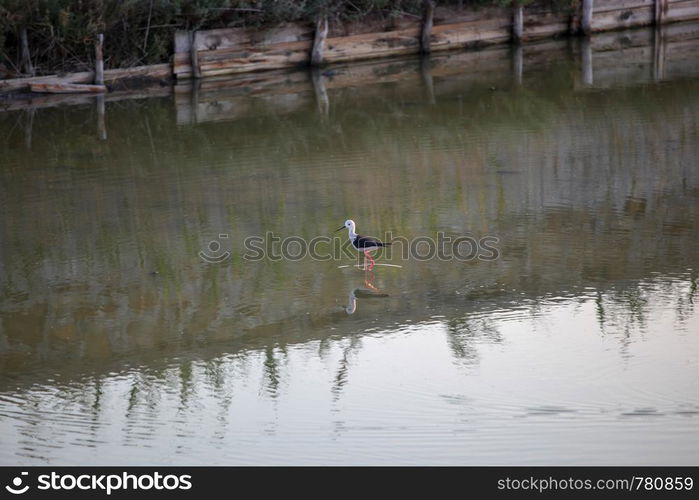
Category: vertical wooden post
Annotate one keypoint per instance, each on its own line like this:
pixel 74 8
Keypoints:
pixel 319 41
pixel 196 70
pixel 426 33
pixel 518 63
pixel 586 49
pixel 586 20
pixel 26 63
pixel 101 125
pixel 99 60
pixel 661 7
pixel 518 22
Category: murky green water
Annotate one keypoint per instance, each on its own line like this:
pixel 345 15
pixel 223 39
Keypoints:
pixel 577 345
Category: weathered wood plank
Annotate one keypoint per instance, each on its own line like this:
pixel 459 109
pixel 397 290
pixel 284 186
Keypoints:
pixel 230 38
pixel 618 19
pixel 643 14
pixel 683 11
pixel 151 71
pixel 681 31
pixel 612 5
pixel 110 75
pixel 23 83
pixel 537 26
pixel 684 50
pixel 374 45
pixel 278 56
pixel 607 5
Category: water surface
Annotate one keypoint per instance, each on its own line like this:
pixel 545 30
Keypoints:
pixel 577 345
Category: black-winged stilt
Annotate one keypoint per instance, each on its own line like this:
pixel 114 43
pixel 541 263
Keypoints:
pixel 362 243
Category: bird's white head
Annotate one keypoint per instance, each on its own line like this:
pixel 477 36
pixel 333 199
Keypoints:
pixel 349 224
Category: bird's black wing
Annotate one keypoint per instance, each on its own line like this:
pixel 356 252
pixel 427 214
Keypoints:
pixel 367 242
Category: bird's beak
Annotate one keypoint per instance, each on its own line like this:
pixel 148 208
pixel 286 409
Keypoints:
pixel 339 228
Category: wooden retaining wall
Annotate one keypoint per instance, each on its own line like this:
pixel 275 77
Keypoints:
pixel 605 60
pixel 241 50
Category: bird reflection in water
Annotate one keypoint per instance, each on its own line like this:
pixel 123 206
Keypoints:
pixel 369 291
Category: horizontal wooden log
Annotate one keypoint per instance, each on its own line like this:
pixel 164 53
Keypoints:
pixel 682 51
pixel 545 25
pixel 230 38
pixel 537 32
pixel 682 31
pixel 373 45
pixel 471 34
pixel 641 13
pixel 623 5
pixel 683 11
pixel 237 61
pixel 110 75
pixel 151 71
pixel 23 83
pixel 544 20
pixel 607 5
pixel 618 19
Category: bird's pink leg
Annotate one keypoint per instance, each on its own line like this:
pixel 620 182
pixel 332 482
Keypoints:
pixel 371 266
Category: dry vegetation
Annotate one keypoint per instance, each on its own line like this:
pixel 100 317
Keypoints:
pixel 60 33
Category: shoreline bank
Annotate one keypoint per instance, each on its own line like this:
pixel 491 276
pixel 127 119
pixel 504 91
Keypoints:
pixel 242 50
